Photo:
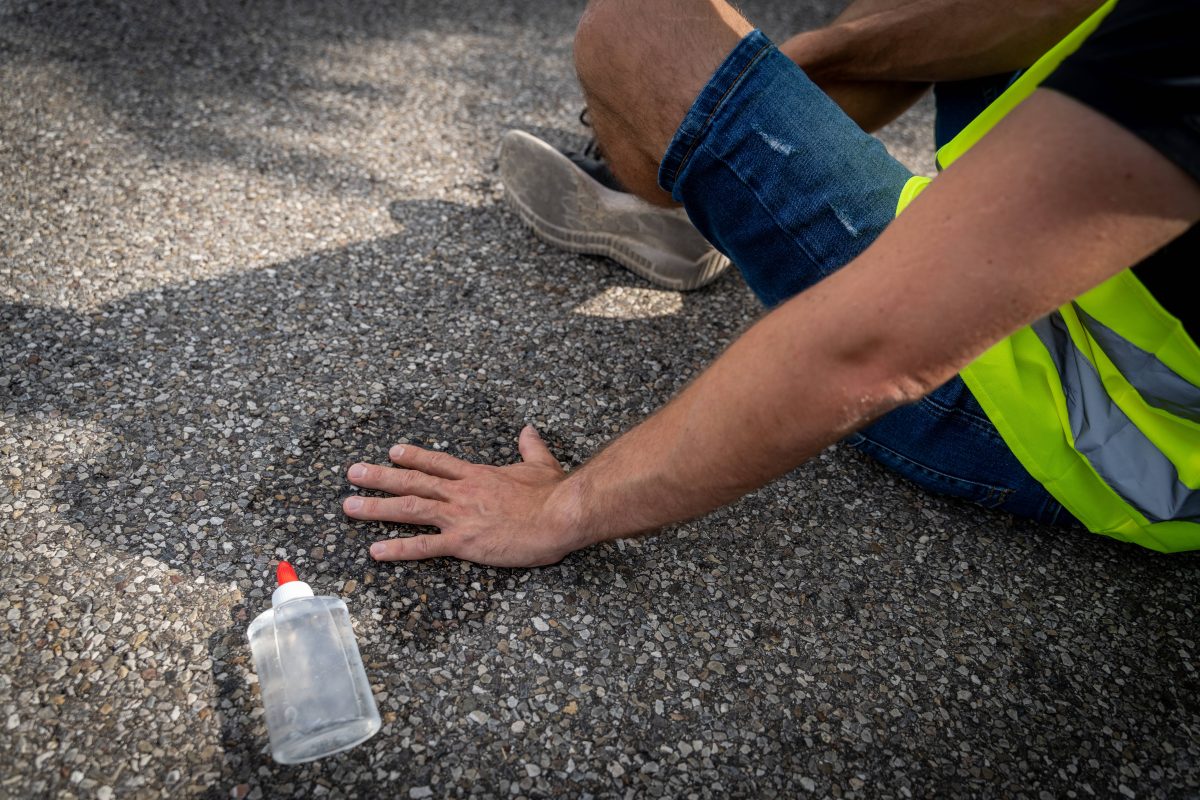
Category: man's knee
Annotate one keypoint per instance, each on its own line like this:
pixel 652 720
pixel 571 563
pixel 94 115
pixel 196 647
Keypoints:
pixel 672 42
pixel 609 43
pixel 595 29
pixel 641 65
pixel 613 44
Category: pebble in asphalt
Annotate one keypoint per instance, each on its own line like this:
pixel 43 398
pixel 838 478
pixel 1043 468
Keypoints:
pixel 242 246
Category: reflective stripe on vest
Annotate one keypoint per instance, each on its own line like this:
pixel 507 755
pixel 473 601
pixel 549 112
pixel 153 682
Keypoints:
pixel 1116 448
pixel 1099 400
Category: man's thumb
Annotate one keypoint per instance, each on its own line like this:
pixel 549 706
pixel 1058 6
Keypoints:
pixel 533 449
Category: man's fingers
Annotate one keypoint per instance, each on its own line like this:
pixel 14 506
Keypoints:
pixel 534 450
pixel 429 545
pixel 431 462
pixel 397 481
pixel 410 509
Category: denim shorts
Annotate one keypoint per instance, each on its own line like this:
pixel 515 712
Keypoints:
pixel 778 178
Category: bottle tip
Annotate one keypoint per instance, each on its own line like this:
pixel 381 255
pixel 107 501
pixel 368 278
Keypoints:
pixel 285 573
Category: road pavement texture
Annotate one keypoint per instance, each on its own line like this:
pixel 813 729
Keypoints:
pixel 245 246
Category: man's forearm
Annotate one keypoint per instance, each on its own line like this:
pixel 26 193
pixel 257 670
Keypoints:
pixel 934 40
pixel 750 417
pixel 879 56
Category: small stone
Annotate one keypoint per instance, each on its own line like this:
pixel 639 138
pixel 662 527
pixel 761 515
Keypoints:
pixel 616 770
pixel 808 784
pixel 349 586
pixel 533 770
pixel 478 716
pixel 104 793
pixel 571 708
pixel 317 553
pixel 540 624
pixel 420 792
pixel 518 726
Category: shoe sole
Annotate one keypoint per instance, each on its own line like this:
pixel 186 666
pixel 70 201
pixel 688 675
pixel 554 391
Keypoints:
pixel 566 207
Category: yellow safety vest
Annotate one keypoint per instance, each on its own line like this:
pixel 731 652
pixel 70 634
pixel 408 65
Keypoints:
pixel 1099 400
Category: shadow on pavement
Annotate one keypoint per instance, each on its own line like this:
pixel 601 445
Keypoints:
pixel 227 81
pixel 224 412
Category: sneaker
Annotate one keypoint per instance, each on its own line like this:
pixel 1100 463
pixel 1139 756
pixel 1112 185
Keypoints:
pixel 573 202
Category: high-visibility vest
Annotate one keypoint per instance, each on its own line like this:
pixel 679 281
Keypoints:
pixel 1099 400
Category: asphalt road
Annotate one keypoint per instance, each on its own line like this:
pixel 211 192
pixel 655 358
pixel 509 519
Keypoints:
pixel 242 246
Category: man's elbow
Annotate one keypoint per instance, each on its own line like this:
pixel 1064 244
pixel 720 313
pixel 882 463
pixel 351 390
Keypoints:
pixel 888 393
pixel 880 378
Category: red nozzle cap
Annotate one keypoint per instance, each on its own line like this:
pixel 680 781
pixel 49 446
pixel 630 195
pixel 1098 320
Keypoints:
pixel 285 573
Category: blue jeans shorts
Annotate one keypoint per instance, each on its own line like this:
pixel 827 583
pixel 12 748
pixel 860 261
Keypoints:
pixel 778 178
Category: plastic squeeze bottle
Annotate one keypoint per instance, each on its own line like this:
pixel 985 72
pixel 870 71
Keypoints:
pixel 310 675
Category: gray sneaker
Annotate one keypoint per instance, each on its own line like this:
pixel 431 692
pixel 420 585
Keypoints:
pixel 570 208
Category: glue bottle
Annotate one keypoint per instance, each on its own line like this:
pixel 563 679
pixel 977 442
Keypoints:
pixel 310 675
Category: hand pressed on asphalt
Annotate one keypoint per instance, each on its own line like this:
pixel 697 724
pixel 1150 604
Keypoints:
pixel 505 516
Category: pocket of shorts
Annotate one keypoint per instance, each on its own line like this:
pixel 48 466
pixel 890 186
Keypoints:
pixel 983 494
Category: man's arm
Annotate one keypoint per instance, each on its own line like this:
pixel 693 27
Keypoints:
pixel 1054 201
pixel 935 40
pixel 879 56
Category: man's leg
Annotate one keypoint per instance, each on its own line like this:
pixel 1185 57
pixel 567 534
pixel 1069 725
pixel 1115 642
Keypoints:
pixel 668 85
pixel 790 188
pixel 572 201
pixel 558 194
pixel 769 169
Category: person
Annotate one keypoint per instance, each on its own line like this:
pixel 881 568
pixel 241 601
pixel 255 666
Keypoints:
pixel 991 342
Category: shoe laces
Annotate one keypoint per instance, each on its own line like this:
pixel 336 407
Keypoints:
pixel 592 161
pixel 592 148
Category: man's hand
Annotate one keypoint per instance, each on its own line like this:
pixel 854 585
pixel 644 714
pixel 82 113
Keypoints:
pixel 509 516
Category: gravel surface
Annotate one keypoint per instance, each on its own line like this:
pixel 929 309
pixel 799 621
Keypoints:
pixel 243 245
